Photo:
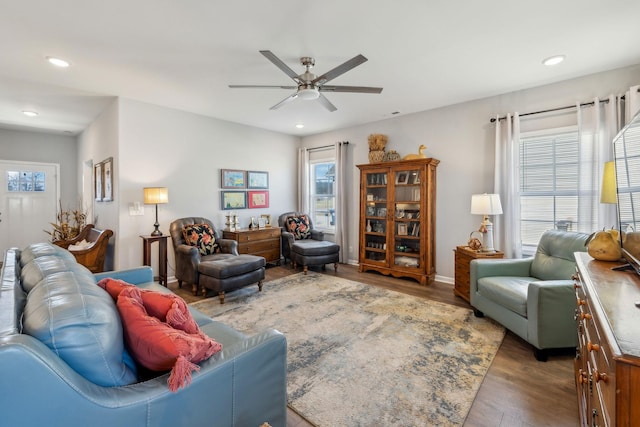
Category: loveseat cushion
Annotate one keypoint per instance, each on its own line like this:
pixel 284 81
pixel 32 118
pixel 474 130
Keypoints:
pixel 200 236
pixel 299 226
pixel 80 323
pixel 507 291
pixel 36 250
pixel 42 266
pixel 158 346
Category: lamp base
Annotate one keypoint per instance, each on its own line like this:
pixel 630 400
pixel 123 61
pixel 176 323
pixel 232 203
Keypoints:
pixel 157 231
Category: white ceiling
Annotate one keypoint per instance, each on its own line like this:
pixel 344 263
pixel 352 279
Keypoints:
pixel 184 54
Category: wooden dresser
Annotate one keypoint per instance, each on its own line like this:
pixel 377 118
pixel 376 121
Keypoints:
pixel 607 363
pixel 463 257
pixel 263 242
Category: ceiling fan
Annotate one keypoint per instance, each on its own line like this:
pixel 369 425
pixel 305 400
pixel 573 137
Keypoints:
pixel 309 86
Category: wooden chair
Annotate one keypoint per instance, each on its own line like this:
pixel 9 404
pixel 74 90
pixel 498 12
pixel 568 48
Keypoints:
pixel 92 257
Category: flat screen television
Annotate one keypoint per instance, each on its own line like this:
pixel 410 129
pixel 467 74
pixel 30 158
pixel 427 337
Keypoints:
pixel 626 151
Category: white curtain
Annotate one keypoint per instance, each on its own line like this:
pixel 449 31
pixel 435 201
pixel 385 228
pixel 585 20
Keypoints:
pixel 506 229
pixel 341 238
pixel 303 180
pixel 632 102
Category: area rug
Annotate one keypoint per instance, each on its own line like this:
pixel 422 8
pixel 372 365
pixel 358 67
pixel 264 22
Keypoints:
pixel 360 355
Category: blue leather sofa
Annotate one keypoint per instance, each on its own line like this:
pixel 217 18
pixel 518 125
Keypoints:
pixel 532 297
pixel 44 381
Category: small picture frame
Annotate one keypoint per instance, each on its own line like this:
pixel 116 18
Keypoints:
pixel 257 179
pixel 232 178
pixel 267 219
pixel 401 177
pixel 258 199
pixel 402 229
pixel 230 200
pixel 107 173
pixel 97 181
pixel 261 222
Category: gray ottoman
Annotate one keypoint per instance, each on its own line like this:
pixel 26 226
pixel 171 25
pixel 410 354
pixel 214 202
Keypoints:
pixel 308 252
pixel 231 273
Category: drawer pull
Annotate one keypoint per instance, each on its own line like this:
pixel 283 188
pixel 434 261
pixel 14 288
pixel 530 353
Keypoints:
pixel 574 276
pixel 581 302
pixel 600 376
pixel 593 347
pixel 582 377
pixel 585 316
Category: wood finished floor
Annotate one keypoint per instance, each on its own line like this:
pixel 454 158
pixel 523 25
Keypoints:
pixel 518 391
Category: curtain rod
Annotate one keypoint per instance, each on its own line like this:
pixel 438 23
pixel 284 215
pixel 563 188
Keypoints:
pixel 326 146
pixel 493 119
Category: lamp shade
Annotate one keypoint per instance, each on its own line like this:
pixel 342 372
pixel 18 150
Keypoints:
pixel 156 195
pixel 608 192
pixel 485 204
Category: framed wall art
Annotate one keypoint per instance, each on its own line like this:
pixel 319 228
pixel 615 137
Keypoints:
pixel 258 199
pixel 107 173
pixel 257 179
pixel 233 200
pixel 231 178
pixel 97 181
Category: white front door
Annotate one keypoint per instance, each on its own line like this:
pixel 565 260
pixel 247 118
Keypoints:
pixel 28 202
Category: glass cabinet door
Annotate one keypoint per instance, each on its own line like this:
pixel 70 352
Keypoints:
pixel 406 219
pixel 375 223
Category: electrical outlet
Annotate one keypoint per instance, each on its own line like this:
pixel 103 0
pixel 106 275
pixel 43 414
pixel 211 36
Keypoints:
pixel 136 208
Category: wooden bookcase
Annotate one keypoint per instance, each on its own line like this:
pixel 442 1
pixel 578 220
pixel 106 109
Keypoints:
pixel 397 218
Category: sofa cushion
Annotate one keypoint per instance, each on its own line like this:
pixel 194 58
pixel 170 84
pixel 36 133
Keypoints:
pixel 36 250
pixel 42 266
pixel 507 291
pixel 80 323
pixel 200 236
pixel 167 307
pixel 158 346
pixel 299 226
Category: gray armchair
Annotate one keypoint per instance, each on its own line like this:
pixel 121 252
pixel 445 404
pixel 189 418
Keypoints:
pixel 222 271
pixel 310 251
pixel 532 297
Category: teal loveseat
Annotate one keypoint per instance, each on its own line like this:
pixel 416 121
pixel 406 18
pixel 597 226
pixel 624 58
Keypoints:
pixel 63 361
pixel 532 297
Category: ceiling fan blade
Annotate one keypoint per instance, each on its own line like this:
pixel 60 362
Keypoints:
pixel 285 101
pixel 278 63
pixel 326 103
pixel 356 89
pixel 262 87
pixel 339 70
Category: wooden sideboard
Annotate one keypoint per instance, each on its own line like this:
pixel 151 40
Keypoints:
pixel 463 257
pixel 607 363
pixel 263 242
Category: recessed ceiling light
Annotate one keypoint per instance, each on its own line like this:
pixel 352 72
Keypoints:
pixel 29 113
pixel 58 62
pixel 553 60
pixel 299 125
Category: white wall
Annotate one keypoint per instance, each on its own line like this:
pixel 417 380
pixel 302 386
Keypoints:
pixel 183 151
pixel 462 138
pixel 28 146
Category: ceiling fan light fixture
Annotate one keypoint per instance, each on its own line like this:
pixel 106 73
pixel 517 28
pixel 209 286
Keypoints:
pixel 308 94
pixel 553 60
pixel 58 62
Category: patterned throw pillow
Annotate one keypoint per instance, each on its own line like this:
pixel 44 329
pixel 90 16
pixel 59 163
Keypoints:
pixel 202 237
pixel 299 226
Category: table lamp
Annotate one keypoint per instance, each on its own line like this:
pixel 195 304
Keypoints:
pixel 485 205
pixel 156 195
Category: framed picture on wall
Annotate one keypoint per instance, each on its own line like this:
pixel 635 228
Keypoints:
pixel 258 199
pixel 97 181
pixel 107 170
pixel 231 178
pixel 233 200
pixel 257 179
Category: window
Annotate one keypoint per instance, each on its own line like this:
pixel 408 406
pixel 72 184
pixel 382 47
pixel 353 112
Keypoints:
pixel 553 185
pixel 24 181
pixel 322 194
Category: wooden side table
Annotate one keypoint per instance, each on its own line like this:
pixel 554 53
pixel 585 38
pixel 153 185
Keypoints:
pixel 463 257
pixel 162 255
